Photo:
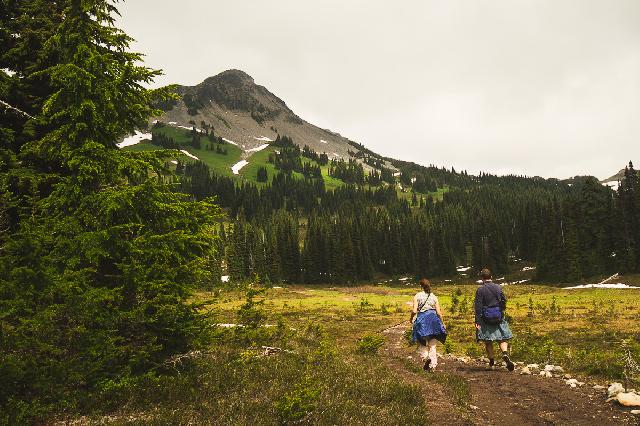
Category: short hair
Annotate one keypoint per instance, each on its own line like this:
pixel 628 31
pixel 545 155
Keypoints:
pixel 485 274
pixel 426 285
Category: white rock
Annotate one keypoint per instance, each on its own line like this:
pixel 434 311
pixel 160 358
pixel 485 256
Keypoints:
pixel 534 368
pixel 599 387
pixel 636 412
pixel 573 383
pixel 545 373
pixel 548 367
pixel 525 371
pixel 629 399
pixel 557 369
pixel 614 389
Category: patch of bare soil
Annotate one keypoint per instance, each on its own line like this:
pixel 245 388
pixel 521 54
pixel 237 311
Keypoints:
pixel 500 397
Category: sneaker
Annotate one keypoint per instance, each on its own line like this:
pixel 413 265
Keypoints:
pixel 492 362
pixel 427 365
pixel 508 362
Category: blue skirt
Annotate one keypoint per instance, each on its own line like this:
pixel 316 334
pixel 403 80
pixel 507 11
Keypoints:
pixel 493 332
pixel 428 326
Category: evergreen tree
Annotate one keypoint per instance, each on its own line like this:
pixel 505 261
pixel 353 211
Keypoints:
pixel 101 255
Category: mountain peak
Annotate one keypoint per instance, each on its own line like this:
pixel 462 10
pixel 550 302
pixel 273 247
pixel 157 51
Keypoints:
pixel 231 77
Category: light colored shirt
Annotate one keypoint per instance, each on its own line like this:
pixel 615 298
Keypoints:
pixel 426 301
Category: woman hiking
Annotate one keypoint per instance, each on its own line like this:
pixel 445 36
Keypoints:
pixel 491 326
pixel 428 328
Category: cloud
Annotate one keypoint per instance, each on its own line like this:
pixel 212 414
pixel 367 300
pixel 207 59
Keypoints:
pixel 514 86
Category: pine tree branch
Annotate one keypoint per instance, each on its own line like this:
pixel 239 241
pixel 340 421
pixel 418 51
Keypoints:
pixel 19 111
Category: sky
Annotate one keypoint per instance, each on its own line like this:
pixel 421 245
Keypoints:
pixel 539 88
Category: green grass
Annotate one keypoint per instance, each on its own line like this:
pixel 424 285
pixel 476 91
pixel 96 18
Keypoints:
pixel 257 160
pixel 219 163
pixel 582 330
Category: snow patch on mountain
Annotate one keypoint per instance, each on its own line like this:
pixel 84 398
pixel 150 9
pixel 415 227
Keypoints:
pixel 134 139
pixel 239 165
pixel 188 154
pixel 259 148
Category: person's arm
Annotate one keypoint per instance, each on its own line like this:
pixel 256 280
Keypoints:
pixel 477 305
pixel 414 310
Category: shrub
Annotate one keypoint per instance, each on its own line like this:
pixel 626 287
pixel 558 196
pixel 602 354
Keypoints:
pixel 370 343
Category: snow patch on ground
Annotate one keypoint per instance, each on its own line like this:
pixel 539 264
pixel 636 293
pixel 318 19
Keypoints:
pixel 617 285
pixel 528 268
pixel 174 162
pixel 173 123
pixel 134 139
pixel 337 155
pixel 188 154
pixel 463 268
pixel 263 138
pixel 515 282
pixel 229 141
pixel 236 167
pixel 397 174
pixel 323 141
pixel 260 148
pixel 224 278
pixel 190 128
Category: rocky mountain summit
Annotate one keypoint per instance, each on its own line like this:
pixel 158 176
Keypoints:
pixel 249 115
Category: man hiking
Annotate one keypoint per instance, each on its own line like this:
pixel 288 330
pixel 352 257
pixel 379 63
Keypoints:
pixel 491 326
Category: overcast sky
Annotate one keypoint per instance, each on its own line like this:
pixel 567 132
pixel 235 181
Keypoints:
pixel 548 88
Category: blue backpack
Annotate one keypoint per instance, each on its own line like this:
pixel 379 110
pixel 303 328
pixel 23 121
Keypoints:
pixel 494 314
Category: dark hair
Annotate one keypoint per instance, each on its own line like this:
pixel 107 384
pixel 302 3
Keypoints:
pixel 485 274
pixel 426 285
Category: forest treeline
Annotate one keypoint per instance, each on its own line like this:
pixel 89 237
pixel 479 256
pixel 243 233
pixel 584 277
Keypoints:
pixel 571 229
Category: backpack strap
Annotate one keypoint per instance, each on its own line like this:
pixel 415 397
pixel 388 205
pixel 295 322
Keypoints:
pixel 496 295
pixel 420 306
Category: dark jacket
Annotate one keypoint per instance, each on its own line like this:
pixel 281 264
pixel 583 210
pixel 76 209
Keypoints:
pixel 485 297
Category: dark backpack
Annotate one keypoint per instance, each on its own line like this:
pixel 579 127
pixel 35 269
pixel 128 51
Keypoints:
pixel 494 314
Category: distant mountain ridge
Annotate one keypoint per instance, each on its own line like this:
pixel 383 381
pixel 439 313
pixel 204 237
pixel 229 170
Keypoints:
pixel 249 115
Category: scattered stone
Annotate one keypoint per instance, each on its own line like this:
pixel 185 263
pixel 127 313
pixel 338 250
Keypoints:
pixel 557 370
pixel 464 359
pixel 534 368
pixel 628 399
pixel 573 383
pixel 567 377
pixel 545 373
pixel 409 357
pixel 548 367
pixel 636 412
pixel 599 387
pixel 614 389
pixel 483 359
pixel 525 371
pixel 473 407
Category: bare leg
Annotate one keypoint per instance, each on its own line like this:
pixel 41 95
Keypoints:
pixel 433 355
pixel 504 347
pixel 489 346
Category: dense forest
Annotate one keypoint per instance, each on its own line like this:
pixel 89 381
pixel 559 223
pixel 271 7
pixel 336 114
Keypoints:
pixel 572 230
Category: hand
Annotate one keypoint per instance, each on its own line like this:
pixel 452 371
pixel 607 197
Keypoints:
pixel 478 326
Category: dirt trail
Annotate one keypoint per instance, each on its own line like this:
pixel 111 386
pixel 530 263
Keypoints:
pixel 499 397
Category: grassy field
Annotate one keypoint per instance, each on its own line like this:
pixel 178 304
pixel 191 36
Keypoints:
pixel 582 330
pixel 314 354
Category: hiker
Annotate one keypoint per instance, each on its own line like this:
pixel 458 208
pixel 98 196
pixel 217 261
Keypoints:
pixel 490 304
pixel 428 328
